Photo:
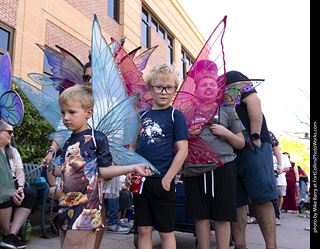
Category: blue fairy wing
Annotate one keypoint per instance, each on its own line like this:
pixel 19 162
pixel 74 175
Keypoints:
pixel 121 124
pixel 47 105
pixel 60 137
pixel 123 156
pixel 11 108
pixel 107 83
pixel 5 74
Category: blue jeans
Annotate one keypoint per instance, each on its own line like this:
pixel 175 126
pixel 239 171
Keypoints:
pixel 302 186
pixel 113 206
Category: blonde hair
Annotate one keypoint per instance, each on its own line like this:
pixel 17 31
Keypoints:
pixel 161 71
pixel 78 93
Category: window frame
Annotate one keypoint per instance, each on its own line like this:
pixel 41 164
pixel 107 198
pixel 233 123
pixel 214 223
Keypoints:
pixel 115 11
pixel 10 40
pixel 153 22
pixel 185 58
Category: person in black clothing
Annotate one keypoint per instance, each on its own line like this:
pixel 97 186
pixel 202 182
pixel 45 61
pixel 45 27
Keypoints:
pixel 255 182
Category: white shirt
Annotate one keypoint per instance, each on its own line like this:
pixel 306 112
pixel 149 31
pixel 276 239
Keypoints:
pixel 15 162
pixel 285 164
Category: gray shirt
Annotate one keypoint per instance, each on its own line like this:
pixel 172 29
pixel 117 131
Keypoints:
pixel 227 118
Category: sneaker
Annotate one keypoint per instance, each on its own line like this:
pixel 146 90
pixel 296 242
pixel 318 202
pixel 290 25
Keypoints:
pixel 12 241
pixel 125 220
pixel 118 228
pixel 278 223
pixel 252 220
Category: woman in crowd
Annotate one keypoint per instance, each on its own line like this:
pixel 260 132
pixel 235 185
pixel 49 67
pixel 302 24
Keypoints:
pixel 17 196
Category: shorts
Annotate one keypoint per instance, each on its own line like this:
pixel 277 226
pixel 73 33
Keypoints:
pixel 282 190
pixel 221 207
pixel 155 206
pixel 28 201
pixel 255 182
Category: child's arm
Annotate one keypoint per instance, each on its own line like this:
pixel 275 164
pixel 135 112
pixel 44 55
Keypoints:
pixel 181 155
pixel 236 140
pixel 113 171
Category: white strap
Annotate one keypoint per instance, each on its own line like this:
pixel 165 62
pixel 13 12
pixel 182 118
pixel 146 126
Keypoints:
pixel 205 182
pixel 172 116
pixel 141 186
pixel 212 177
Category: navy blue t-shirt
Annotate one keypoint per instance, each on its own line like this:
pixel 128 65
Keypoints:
pixel 159 132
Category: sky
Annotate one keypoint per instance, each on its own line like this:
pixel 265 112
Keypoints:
pixel 265 40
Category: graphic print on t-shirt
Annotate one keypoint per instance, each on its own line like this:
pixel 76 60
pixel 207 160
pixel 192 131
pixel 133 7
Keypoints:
pixel 151 130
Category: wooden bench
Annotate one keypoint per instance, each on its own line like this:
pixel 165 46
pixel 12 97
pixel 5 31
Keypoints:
pixel 31 174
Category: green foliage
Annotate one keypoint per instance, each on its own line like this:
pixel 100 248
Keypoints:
pixel 30 134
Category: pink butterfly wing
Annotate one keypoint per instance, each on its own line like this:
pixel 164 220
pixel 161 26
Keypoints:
pixel 133 78
pixel 202 92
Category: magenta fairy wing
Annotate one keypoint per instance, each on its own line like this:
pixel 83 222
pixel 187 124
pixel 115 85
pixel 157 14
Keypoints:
pixel 5 74
pixel 11 108
pixel 202 92
pixel 66 68
pixel 200 152
pixel 205 82
pixel 133 78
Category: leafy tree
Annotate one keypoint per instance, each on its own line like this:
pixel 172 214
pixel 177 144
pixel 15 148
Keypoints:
pixel 30 134
pixel 299 150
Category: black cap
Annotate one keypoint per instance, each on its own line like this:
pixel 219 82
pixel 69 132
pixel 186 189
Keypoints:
pixel 235 76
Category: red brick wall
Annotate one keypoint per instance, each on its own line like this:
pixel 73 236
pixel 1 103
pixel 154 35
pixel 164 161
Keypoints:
pixel 8 12
pixel 57 36
pixel 100 8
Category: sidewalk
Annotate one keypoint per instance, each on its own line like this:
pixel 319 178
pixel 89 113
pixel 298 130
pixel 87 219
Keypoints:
pixel 290 234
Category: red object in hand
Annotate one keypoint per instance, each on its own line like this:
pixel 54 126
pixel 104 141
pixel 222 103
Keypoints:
pixel 136 183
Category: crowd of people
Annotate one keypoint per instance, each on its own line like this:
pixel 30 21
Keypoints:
pixel 259 176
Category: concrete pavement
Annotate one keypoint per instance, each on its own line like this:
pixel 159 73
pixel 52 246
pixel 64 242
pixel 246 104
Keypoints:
pixel 290 235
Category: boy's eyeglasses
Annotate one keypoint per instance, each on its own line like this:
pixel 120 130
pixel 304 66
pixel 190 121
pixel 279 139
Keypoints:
pixel 168 89
pixel 86 78
pixel 9 131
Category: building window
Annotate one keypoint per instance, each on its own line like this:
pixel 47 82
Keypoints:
pixel 114 9
pixel 6 40
pixel 144 33
pixel 149 20
pixel 185 60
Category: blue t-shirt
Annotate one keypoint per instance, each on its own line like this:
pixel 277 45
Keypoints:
pixel 80 200
pixel 159 132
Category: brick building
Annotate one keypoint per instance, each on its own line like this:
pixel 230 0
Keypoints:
pixel 68 24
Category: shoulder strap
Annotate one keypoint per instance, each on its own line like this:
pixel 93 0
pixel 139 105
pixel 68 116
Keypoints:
pixel 143 113
pixel 172 115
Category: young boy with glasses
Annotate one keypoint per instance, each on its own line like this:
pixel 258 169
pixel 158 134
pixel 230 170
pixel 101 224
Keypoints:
pixel 162 128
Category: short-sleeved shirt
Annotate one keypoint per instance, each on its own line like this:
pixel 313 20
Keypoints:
pixel 81 195
pixel 227 118
pixel 244 117
pixel 15 161
pixel 160 129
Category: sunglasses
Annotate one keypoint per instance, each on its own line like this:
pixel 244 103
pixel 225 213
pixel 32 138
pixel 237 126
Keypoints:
pixel 86 78
pixel 9 131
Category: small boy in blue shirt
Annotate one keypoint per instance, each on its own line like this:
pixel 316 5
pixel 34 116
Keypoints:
pixel 85 160
pixel 162 128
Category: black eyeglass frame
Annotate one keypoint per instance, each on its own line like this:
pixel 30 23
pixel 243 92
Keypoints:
pixel 164 88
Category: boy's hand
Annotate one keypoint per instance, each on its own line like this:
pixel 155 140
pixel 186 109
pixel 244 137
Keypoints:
pixel 45 162
pixel 218 130
pixel 56 171
pixel 142 169
pixel 128 180
pixel 196 132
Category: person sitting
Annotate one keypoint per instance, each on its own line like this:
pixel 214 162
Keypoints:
pixel 17 197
